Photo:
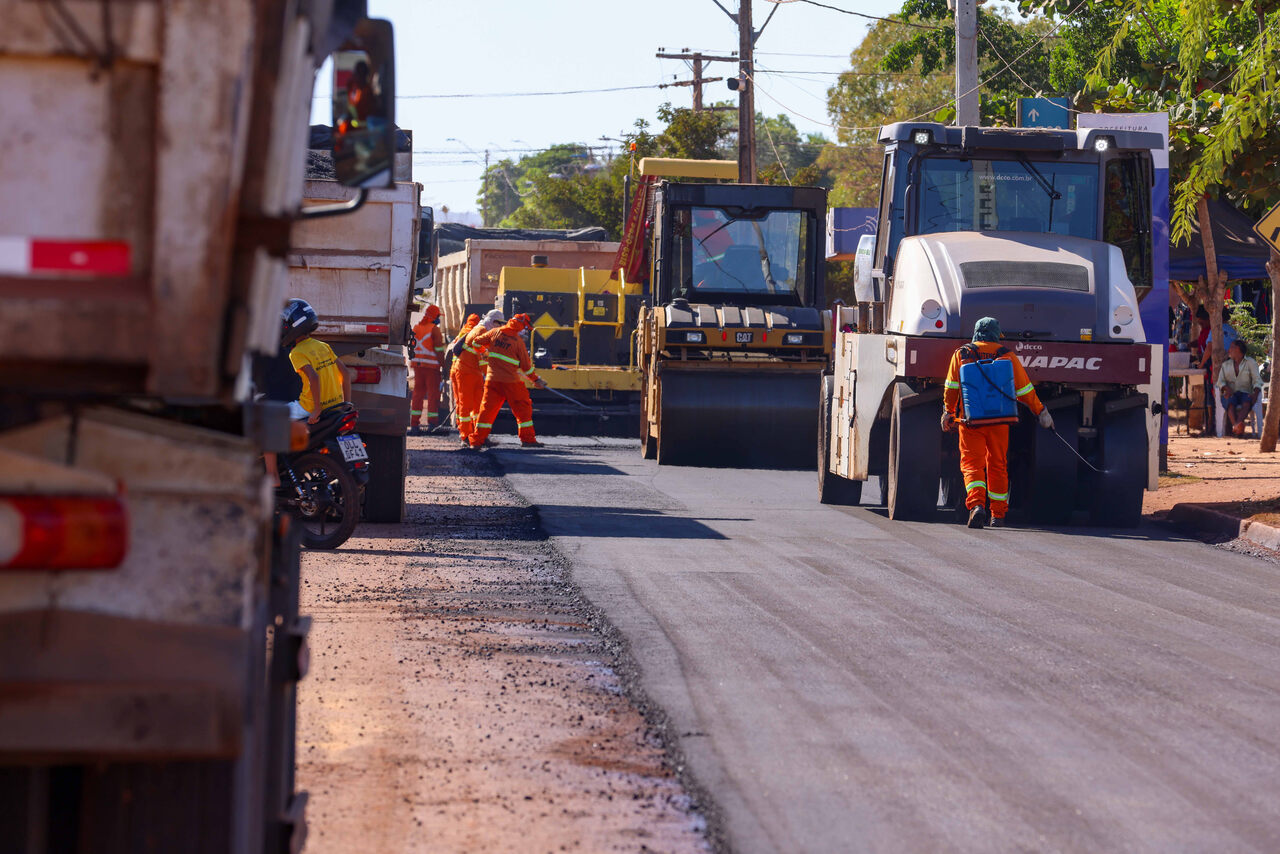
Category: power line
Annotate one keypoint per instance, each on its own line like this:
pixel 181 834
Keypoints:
pixel 857 14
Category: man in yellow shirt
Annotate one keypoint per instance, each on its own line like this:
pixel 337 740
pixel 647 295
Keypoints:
pixel 326 381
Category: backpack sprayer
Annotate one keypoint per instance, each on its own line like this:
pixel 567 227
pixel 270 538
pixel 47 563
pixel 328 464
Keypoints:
pixel 1009 411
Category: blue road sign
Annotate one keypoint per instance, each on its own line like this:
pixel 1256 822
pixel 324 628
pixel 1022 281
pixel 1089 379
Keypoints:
pixel 1044 112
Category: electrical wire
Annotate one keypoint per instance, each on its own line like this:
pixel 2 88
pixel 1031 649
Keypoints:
pixel 856 14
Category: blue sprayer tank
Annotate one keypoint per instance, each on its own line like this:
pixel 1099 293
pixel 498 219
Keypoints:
pixel 986 386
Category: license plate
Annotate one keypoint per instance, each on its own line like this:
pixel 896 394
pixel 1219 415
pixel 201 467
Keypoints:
pixel 352 448
pixel 743 337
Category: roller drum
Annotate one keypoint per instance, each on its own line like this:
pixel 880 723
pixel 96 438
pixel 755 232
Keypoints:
pixel 738 419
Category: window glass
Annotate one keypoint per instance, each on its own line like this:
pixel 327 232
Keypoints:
pixel 716 251
pixel 1008 195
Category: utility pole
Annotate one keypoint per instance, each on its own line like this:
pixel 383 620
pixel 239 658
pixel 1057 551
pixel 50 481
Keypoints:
pixel 697 58
pixel 746 95
pixel 967 101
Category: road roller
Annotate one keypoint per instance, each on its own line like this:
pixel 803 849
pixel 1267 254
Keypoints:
pixel 733 342
pixel 1049 232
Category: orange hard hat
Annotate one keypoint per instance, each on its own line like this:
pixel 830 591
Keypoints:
pixel 520 322
pixel 433 311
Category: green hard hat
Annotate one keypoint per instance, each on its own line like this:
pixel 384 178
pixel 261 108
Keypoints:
pixel 986 329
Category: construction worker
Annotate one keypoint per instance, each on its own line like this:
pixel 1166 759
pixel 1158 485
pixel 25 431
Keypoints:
pixel 463 398
pixel 428 353
pixel 985 382
pixel 475 364
pixel 504 382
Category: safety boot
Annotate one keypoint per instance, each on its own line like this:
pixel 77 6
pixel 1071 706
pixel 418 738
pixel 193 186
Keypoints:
pixel 978 517
pixel 996 522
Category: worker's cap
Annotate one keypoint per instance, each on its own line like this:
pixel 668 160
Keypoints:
pixel 433 311
pixel 520 322
pixel 472 319
pixel 493 319
pixel 986 329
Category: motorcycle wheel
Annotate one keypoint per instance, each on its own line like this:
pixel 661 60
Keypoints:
pixel 330 506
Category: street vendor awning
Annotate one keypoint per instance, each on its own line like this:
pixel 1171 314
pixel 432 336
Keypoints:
pixel 1240 252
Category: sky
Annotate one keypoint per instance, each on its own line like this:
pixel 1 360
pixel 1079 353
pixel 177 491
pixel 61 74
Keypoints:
pixel 484 47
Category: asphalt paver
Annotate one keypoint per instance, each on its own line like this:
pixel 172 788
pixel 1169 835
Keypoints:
pixel 842 682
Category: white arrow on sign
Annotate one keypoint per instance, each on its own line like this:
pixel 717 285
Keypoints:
pixel 1033 114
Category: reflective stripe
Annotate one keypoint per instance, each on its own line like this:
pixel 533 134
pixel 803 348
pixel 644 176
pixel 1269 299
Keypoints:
pixel 515 362
pixel 975 485
pixel 415 411
pixel 951 384
pixel 998 496
pixel 524 424
pixel 465 418
pixel 484 426
pixel 1029 387
pixel 431 414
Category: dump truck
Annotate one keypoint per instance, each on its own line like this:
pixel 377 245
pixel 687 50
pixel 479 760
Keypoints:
pixel 358 272
pixel 582 341
pixel 582 344
pixel 734 341
pixel 150 641
pixel 468 262
pixel 1048 231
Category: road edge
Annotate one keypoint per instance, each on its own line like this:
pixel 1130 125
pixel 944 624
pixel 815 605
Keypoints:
pixel 1215 522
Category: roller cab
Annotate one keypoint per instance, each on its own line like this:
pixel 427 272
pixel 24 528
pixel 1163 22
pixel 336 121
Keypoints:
pixel 734 344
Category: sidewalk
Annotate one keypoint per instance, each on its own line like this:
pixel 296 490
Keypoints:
pixel 1220 486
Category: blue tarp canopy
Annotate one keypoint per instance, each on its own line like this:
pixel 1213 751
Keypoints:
pixel 1241 253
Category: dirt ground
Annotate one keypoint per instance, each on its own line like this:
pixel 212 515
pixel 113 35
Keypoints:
pixel 1228 473
pixel 463 697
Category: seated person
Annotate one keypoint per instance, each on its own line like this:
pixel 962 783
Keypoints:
pixel 1240 385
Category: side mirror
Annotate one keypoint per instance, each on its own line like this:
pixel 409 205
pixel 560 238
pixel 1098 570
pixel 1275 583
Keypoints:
pixel 364 107
pixel 425 276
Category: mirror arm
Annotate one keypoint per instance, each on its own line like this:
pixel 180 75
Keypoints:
pixel 318 211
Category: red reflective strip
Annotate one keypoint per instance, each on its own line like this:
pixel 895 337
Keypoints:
pixel 69 533
pixel 373 327
pixel 104 257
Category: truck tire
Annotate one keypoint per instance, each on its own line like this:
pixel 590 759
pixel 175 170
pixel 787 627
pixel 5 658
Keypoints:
pixel 832 488
pixel 1117 498
pixel 915 457
pixel 1051 491
pixel 648 442
pixel 384 494
pixel 953 491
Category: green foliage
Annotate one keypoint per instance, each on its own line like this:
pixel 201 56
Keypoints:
pixel 1256 335
pixel 1211 64
pixel 566 187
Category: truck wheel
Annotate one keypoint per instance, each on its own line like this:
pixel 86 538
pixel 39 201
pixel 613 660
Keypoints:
pixel 915 451
pixel 1117 498
pixel 832 488
pixel 953 491
pixel 384 494
pixel 1051 490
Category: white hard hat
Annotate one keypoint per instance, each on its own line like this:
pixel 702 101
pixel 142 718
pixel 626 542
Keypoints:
pixel 494 319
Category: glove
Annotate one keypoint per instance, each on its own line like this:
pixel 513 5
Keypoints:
pixel 1046 420
pixel 948 422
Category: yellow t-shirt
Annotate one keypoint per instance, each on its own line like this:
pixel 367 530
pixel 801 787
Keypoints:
pixel 319 356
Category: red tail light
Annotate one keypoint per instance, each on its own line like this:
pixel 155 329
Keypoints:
pixel 368 374
pixel 62 532
pixel 348 422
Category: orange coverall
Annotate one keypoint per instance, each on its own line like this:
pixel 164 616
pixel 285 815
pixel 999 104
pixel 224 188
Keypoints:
pixel 466 378
pixel 428 350
pixel 509 366
pixel 984 449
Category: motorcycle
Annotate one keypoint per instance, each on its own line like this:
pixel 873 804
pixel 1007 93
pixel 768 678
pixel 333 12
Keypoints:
pixel 323 485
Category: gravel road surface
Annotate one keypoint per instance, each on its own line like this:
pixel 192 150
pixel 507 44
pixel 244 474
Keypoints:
pixel 846 683
pixel 463 697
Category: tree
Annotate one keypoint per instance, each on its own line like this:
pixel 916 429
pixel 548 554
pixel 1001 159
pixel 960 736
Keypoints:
pixel 866 97
pixel 1224 114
